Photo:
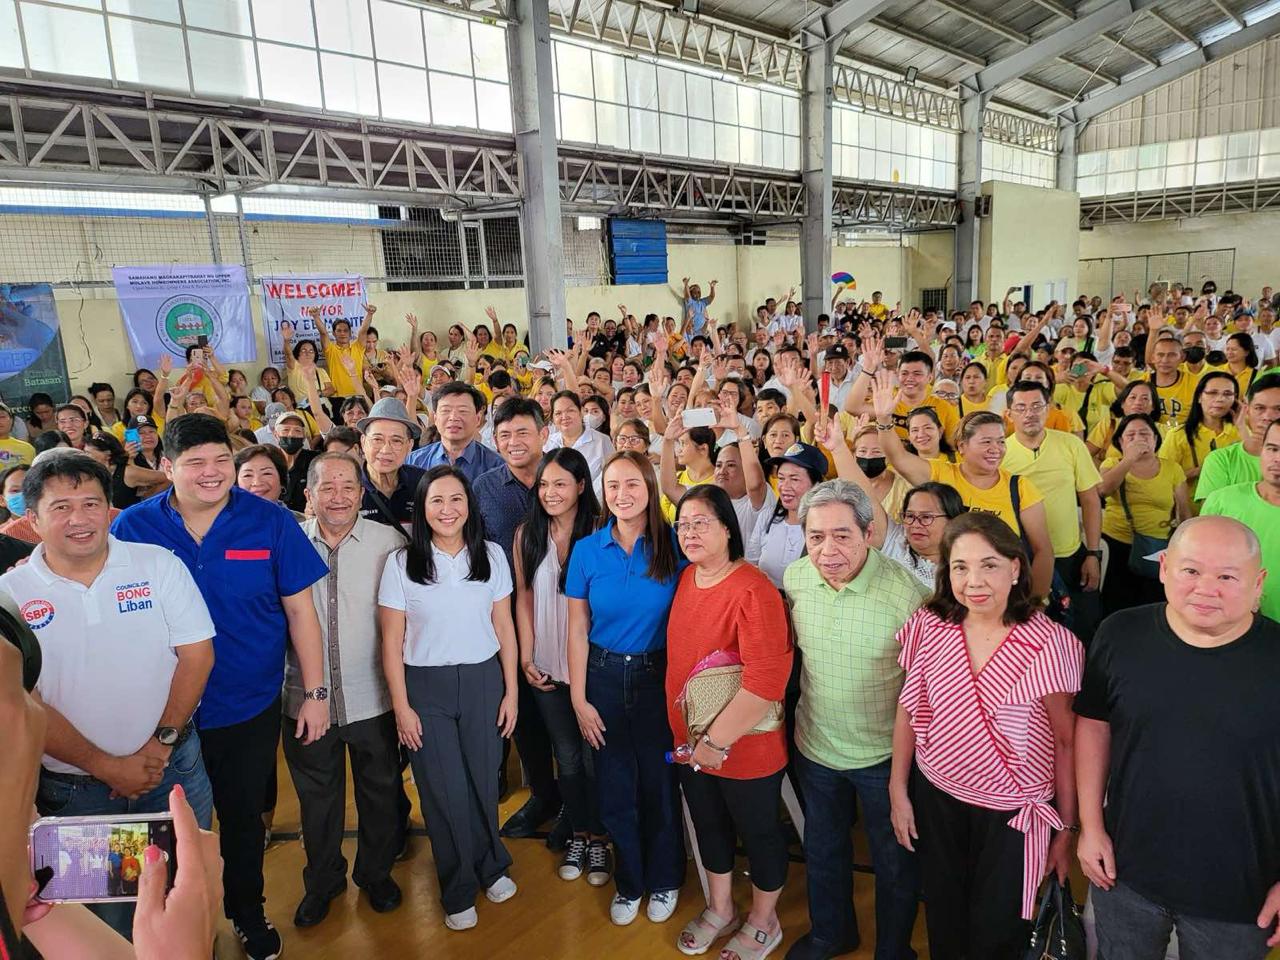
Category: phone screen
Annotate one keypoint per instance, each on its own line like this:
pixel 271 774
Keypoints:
pixel 1078 370
pixel 202 341
pixel 89 859
pixel 895 343
pixel 131 436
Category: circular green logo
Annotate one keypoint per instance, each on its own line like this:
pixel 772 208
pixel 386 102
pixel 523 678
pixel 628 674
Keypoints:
pixel 182 320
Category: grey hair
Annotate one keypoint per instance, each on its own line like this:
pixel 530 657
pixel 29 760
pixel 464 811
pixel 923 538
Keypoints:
pixel 839 491
pixel 313 470
pixel 1253 547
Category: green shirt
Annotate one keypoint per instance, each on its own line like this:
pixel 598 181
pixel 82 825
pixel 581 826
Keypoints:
pixel 1242 502
pixel 1227 467
pixel 850 678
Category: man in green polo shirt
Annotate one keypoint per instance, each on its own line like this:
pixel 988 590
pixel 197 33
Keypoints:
pixel 1238 463
pixel 1257 506
pixel 848 604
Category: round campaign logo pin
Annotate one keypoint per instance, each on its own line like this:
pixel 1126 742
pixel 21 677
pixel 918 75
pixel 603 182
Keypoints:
pixel 182 320
pixel 37 613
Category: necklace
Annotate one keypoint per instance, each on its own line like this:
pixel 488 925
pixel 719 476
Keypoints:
pixel 714 577
pixel 197 537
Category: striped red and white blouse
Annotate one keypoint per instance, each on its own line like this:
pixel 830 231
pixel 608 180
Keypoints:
pixel 986 739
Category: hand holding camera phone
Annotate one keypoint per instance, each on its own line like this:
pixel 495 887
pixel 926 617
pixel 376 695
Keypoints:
pixel 700 417
pixel 97 859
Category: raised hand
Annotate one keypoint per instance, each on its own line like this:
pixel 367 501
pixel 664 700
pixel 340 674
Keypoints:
pixel 491 313
pixel 872 353
pixel 165 365
pixel 412 320
pixel 314 314
pixel 884 399
pixel 369 310
pixel 286 329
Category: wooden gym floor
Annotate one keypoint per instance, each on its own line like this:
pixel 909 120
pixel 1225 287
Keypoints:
pixel 549 919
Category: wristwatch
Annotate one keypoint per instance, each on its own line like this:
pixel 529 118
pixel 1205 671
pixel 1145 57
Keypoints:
pixel 319 693
pixel 1097 554
pixel 167 736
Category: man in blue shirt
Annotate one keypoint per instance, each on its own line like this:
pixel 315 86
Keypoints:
pixel 460 413
pixel 254 567
pixel 695 307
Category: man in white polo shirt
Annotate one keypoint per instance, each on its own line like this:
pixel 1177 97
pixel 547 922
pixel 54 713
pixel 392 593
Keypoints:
pixel 127 646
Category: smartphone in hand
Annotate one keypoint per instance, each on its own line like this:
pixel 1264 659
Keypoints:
pixel 97 859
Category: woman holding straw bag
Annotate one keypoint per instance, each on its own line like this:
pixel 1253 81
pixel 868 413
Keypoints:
pixel 728 614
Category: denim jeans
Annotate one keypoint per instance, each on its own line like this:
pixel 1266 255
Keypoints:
pixel 1084 609
pixel 1131 927
pixel 635 786
pixel 573 758
pixel 831 798
pixel 71 796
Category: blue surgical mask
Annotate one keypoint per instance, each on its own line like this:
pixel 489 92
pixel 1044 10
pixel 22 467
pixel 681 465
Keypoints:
pixel 16 504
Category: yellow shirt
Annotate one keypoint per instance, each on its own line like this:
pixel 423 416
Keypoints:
pixel 683 478
pixel 994 500
pixel 878 311
pixel 298 382
pixel 1100 436
pixel 13 450
pixel 494 349
pixel 892 501
pixel 1175 399
pixel 426 363
pixel 343 384
pixel 1060 464
pixel 1150 501
pixel 965 406
pixel 1100 398
pixel 1245 379
pixel 997 370
pixel 945 411
pixel 1189 457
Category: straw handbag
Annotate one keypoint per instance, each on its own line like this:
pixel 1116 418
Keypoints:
pixel 709 691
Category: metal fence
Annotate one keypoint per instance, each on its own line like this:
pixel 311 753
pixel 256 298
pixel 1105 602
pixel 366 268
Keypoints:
pixel 1132 276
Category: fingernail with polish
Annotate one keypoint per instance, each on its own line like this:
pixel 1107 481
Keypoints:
pixel 152 854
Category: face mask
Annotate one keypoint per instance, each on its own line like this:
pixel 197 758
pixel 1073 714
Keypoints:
pixel 1194 354
pixel 290 445
pixel 16 504
pixel 593 420
pixel 871 466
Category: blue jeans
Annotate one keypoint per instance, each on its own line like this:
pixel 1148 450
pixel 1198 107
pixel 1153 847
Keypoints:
pixel 636 788
pixel 831 798
pixel 71 796
pixel 1131 927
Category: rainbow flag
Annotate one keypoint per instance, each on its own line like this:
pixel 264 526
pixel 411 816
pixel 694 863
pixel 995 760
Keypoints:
pixel 845 278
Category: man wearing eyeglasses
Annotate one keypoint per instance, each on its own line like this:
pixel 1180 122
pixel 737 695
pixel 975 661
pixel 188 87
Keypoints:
pixel 388 434
pixel 1059 462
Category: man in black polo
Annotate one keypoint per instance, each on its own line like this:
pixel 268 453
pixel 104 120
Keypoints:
pixel 388 435
pixel 505 494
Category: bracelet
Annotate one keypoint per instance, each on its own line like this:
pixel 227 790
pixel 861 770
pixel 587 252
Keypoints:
pixel 883 427
pixel 1070 828
pixel 723 751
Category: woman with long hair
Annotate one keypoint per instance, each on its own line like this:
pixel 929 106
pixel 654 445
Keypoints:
pixel 778 537
pixel 449 656
pixel 726 607
pixel 1242 360
pixel 1138 397
pixel 924 430
pixel 761 367
pixel 564 511
pixel 128 481
pixel 983 758
pixel 1208 426
pixel 620 584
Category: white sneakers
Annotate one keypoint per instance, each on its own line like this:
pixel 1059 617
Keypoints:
pixel 501 890
pixel 661 906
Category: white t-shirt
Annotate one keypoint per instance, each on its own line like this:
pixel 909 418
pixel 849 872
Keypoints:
pixel 450 621
pixel 749 516
pixel 774 546
pixel 109 648
pixel 784 324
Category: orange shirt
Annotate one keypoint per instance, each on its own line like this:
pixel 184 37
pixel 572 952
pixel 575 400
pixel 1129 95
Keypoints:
pixel 744 615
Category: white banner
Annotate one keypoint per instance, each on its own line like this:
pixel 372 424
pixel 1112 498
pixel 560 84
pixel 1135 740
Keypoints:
pixel 290 297
pixel 168 308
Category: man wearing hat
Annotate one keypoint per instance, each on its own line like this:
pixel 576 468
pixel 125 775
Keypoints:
pixel 290 431
pixel 388 434
pixel 12 450
pixel 836 363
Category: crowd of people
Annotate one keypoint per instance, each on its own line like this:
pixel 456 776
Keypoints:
pixel 993 584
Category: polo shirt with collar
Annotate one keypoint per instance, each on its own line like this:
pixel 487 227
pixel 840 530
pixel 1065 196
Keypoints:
pixel 504 503
pixel 850 677
pixel 346 600
pixel 592 444
pixel 401 500
pixel 108 648
pixel 475 459
pixel 254 554
pixel 629 609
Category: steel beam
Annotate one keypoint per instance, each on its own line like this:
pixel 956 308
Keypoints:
pixel 1068 135
pixel 1052 45
pixel 815 163
pixel 969 182
pixel 828 23
pixel 534 121
pixel 1172 27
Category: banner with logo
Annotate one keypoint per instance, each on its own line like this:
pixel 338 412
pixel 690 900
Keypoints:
pixel 168 308
pixel 31 356
pixel 289 297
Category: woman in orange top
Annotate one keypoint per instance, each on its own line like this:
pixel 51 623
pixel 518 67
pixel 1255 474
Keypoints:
pixel 733 779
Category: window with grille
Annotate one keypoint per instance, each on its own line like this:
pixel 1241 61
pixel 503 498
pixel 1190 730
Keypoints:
pixel 934 298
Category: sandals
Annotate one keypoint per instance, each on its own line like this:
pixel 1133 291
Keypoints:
pixel 702 931
pixel 750 943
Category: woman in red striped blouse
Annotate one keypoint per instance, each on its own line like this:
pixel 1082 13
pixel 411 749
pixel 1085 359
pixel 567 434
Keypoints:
pixel 985 712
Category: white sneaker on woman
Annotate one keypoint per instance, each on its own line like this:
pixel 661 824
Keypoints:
pixel 662 905
pixel 462 921
pixel 502 889
pixel 622 911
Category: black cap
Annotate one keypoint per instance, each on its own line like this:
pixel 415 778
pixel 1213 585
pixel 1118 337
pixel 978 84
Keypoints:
pixel 803 455
pixel 837 352
pixel 140 421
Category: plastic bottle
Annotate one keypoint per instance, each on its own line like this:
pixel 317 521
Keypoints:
pixel 681 754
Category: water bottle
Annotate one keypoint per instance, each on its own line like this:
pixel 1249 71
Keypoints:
pixel 681 754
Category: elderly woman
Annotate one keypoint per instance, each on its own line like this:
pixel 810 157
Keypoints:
pixel 733 781
pixel 982 744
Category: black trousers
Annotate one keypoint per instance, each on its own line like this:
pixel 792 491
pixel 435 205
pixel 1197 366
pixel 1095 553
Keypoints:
pixel 724 809
pixel 1121 587
pixel 1084 611
pixel 971 874
pixel 533 744
pixel 240 760
pixel 319 772
pixel 456 770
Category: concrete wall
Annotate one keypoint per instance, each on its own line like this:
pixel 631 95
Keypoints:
pixel 1031 237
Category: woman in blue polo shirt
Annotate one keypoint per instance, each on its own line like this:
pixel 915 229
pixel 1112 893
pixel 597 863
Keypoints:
pixel 449 656
pixel 620 584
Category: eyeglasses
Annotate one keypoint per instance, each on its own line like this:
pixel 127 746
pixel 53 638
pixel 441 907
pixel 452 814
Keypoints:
pixel 1029 408
pixel 394 443
pixel 920 519
pixel 698 525
pixel 637 442
pixel 946 395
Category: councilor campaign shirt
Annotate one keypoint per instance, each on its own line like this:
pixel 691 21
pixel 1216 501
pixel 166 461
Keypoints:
pixel 1193 799
pixel 254 554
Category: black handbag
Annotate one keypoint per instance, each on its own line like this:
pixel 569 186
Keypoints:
pixel 1058 933
pixel 1143 546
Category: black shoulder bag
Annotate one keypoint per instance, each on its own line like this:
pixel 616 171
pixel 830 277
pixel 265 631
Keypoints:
pixel 1058 933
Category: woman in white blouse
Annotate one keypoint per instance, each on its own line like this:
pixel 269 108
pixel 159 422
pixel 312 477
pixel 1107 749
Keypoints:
pixel 571 431
pixel 449 655
pixel 565 511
